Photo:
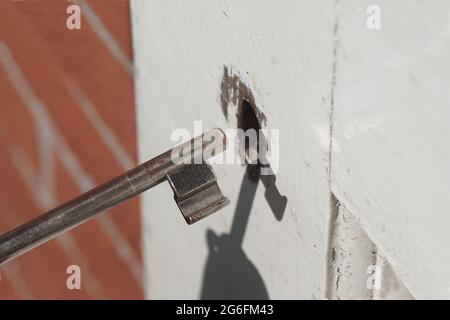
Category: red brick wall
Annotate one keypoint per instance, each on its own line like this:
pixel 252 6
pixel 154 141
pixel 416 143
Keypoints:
pixel 67 123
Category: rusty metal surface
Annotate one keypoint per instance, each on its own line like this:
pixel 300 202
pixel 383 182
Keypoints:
pixel 195 188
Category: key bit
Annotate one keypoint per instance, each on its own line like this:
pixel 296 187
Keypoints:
pixel 192 179
pixel 196 191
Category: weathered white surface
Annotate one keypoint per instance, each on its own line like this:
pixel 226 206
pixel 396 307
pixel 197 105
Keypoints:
pixel 357 269
pixel 390 149
pixel 391 146
pixel 283 52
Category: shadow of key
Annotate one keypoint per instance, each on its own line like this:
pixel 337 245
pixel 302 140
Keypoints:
pixel 229 274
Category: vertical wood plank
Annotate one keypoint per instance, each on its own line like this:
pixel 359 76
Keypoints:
pixel 283 54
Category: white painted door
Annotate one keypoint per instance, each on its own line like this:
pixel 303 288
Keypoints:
pixel 358 92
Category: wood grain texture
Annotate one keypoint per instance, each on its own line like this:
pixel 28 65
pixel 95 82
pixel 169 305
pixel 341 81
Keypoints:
pixel 357 268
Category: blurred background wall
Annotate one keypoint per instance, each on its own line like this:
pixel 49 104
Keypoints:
pixel 67 123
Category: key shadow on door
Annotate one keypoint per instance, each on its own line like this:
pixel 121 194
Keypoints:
pixel 229 273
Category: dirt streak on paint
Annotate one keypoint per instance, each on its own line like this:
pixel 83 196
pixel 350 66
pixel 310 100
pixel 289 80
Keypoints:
pixel 234 91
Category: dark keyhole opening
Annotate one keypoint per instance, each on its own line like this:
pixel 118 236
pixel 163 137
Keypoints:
pixel 247 119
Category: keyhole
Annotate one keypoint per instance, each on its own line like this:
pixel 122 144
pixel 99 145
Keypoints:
pixel 248 120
